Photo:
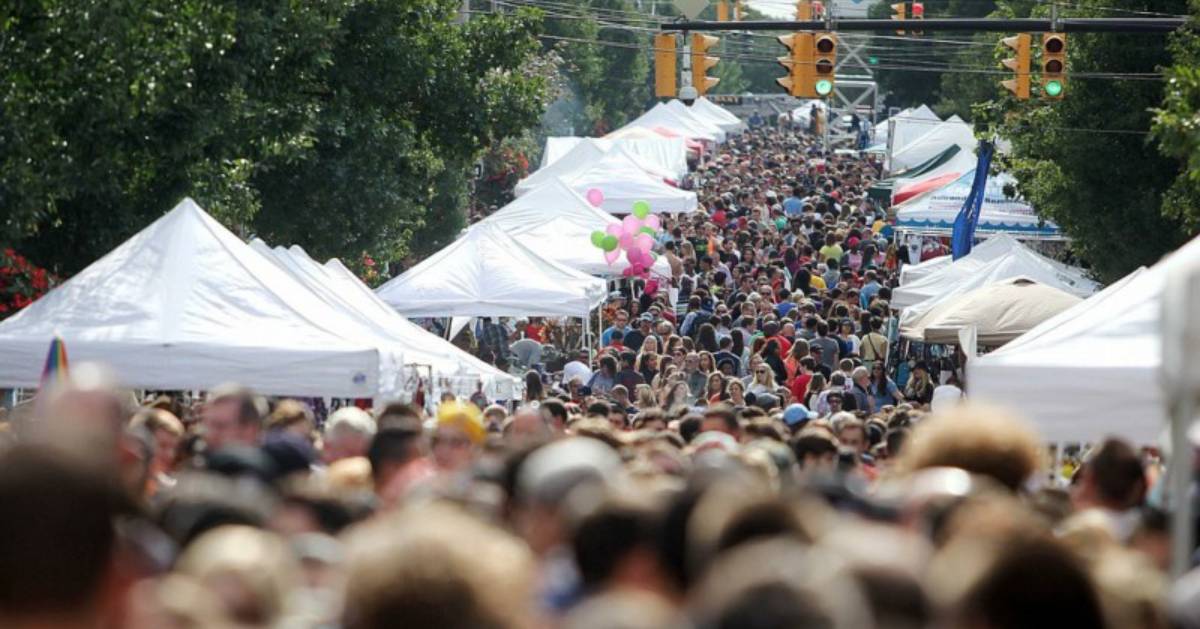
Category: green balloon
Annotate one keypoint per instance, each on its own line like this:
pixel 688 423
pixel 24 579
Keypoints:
pixel 598 238
pixel 641 209
pixel 647 230
pixel 610 243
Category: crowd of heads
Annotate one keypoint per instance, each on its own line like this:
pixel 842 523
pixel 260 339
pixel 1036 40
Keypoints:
pixel 743 460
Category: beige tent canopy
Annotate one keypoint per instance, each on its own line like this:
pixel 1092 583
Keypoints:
pixel 1000 312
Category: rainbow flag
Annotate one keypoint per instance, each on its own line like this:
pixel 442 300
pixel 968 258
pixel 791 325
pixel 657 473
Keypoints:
pixel 56 363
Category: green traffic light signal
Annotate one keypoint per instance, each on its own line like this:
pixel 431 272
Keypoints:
pixel 824 87
pixel 1053 88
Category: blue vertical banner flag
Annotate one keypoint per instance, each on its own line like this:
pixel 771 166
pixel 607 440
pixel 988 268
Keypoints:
pixel 963 237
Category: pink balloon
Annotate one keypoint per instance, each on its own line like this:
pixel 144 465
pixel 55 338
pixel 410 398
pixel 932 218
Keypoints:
pixel 644 243
pixel 613 229
pixel 628 272
pixel 633 256
pixel 628 242
pixel 611 256
pixel 595 197
pixel 630 224
pixel 652 286
pixel 653 222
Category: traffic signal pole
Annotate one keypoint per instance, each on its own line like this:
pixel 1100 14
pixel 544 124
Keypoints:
pixel 978 25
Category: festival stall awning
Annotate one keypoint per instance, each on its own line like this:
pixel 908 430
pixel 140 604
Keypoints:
pixel 998 312
pixel 485 273
pixel 908 125
pixel 424 353
pixel 968 273
pixel 557 223
pixel 717 114
pixel 661 117
pixel 953 132
pixel 1093 370
pixel 935 212
pixel 669 154
pixel 882 189
pixel 685 113
pixel 623 182
pixel 583 156
pixel 185 304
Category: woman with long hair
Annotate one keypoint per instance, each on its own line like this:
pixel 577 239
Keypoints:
pixel 737 392
pixel 706 339
pixel 714 389
pixel 920 386
pixel 815 387
pixel 645 397
pixel 677 395
pixel 708 362
pixel 763 380
pixel 850 341
pixel 534 391
pixel 770 354
pixel 882 389
pixel 647 366
pixel 649 345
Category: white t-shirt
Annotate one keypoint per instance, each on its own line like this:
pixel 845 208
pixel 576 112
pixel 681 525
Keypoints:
pixel 576 369
pixel 945 396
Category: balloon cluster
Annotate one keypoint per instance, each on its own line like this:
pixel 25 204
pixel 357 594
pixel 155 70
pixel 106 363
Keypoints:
pixel 634 236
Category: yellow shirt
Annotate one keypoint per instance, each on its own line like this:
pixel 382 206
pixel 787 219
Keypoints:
pixel 831 252
pixel 818 282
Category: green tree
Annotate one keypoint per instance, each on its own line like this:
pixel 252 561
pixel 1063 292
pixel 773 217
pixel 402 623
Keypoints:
pixel 1176 125
pixel 340 125
pixel 1086 162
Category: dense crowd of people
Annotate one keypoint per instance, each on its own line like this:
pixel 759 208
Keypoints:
pixel 745 450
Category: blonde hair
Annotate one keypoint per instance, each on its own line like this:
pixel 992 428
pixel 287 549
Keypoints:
pixel 157 419
pixel 436 567
pixel 260 563
pixel 979 439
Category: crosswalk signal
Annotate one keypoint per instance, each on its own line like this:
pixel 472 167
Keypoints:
pixel 824 62
pixel 918 13
pixel 798 63
pixel 1019 64
pixel 899 12
pixel 1054 65
pixel 702 63
pixel 664 65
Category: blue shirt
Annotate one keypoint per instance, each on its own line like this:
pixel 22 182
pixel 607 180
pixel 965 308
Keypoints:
pixel 793 206
pixel 606 336
pixel 868 292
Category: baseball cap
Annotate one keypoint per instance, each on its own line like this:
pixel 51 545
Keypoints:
pixel 796 414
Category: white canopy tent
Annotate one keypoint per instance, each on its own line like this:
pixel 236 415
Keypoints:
pixel 993 247
pixel 586 154
pixel 185 304
pixel 486 273
pixel 1091 371
pixel 450 367
pixel 968 274
pixel 662 116
pixel 669 154
pixel 624 182
pixel 935 211
pixel 909 125
pixel 690 115
pixel 998 312
pixel 936 140
pixel 557 223
pixel 708 110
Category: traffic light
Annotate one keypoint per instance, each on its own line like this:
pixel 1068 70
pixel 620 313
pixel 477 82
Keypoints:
pixel 1019 64
pixel 664 65
pixel 900 14
pixel 824 62
pixel 798 63
pixel 1054 65
pixel 722 11
pixel 918 13
pixel 702 63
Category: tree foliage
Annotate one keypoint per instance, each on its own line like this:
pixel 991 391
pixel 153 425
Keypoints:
pixel 1177 125
pixel 1086 161
pixel 341 125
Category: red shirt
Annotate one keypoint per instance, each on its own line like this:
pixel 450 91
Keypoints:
pixel 799 386
pixel 534 332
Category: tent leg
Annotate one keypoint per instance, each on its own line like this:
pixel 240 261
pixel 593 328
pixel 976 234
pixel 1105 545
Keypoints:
pixel 1180 475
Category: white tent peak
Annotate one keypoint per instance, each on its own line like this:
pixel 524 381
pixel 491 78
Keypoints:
pixel 487 273
pixel 185 304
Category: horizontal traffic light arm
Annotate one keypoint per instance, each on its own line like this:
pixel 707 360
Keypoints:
pixel 978 25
